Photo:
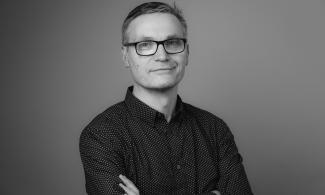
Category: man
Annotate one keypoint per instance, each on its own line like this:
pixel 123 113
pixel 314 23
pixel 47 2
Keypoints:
pixel 152 142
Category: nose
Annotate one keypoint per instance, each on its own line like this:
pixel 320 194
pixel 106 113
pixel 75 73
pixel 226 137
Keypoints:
pixel 161 53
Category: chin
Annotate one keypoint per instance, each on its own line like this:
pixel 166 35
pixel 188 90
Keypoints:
pixel 163 86
pixel 159 84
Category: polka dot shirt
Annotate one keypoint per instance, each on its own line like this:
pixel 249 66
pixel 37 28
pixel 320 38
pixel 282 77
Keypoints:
pixel 194 153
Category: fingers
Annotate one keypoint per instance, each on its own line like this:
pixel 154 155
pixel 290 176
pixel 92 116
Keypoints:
pixel 128 186
pixel 128 183
pixel 126 189
pixel 216 192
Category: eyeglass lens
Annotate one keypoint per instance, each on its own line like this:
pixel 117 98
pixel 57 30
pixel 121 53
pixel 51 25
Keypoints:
pixel 150 47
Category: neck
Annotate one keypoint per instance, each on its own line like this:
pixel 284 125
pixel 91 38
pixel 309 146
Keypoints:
pixel 163 101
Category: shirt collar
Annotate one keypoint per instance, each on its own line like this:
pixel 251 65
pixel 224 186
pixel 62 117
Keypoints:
pixel 144 112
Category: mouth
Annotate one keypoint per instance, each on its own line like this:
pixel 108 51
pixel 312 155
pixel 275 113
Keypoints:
pixel 163 69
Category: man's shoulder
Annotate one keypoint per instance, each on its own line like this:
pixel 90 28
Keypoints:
pixel 115 110
pixel 206 119
pixel 214 126
pixel 200 113
pixel 111 118
pixel 105 130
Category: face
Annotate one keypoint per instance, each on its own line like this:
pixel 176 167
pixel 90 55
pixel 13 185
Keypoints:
pixel 161 70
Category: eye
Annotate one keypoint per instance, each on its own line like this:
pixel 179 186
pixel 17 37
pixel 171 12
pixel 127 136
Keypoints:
pixel 174 43
pixel 144 45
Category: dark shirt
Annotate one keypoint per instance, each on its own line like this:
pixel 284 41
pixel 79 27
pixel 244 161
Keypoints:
pixel 193 153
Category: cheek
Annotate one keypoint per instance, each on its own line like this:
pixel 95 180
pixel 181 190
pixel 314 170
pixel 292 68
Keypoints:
pixel 182 61
pixel 138 66
pixel 134 62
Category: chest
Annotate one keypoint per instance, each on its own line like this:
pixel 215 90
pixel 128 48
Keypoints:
pixel 169 158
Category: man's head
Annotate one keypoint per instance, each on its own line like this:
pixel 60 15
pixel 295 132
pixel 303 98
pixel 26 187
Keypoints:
pixel 152 7
pixel 155 46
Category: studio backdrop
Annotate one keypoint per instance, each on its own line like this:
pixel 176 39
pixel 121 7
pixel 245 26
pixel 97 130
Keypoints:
pixel 258 64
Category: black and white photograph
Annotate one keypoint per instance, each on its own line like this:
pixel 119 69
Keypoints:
pixel 169 97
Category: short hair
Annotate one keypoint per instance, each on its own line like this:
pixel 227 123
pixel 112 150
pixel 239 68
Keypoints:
pixel 149 8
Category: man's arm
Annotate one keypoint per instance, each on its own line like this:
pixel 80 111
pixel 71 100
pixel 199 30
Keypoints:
pixel 130 189
pixel 233 179
pixel 102 161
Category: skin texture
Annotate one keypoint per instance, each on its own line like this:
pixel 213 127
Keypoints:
pixel 156 77
pixel 161 71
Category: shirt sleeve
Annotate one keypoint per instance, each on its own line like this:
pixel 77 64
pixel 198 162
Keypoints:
pixel 102 161
pixel 233 179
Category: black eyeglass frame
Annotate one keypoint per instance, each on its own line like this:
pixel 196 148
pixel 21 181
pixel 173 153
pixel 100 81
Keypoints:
pixel 158 43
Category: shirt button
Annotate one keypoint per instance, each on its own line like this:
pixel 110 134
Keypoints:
pixel 178 167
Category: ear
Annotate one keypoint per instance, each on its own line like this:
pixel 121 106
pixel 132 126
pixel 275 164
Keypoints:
pixel 124 51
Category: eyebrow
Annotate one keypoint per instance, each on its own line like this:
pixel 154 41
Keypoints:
pixel 148 38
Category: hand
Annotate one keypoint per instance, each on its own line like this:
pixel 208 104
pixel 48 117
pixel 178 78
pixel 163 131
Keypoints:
pixel 128 186
pixel 216 192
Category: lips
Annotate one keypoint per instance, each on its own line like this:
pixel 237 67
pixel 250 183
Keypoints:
pixel 162 69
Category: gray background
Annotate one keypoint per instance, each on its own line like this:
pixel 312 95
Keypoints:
pixel 257 64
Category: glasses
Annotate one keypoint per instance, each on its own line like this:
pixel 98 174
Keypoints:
pixel 148 48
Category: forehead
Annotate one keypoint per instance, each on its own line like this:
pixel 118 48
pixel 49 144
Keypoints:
pixel 157 26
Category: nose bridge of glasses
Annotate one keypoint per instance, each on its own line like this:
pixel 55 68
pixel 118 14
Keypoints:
pixel 162 43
